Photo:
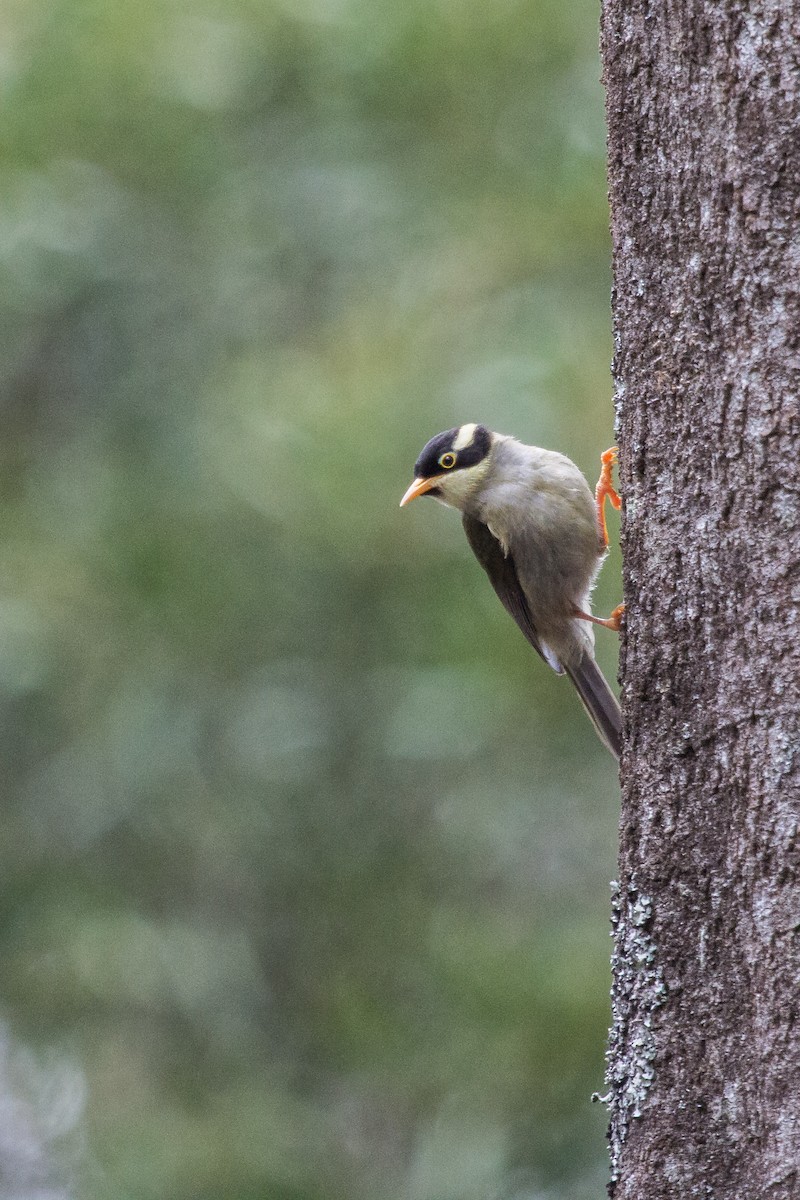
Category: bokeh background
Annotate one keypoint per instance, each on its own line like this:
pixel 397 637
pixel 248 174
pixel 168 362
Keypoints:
pixel 305 856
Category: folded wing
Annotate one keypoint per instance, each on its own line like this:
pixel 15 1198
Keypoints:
pixel 595 694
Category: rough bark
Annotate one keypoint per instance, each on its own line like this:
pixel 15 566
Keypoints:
pixel 703 103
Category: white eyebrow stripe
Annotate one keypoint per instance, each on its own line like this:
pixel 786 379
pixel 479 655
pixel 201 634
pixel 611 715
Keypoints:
pixel 464 436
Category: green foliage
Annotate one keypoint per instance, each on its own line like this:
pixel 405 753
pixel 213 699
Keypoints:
pixel 306 856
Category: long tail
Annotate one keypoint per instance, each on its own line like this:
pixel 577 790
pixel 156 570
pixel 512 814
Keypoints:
pixel 599 702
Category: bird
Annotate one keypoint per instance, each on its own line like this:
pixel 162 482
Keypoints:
pixel 540 534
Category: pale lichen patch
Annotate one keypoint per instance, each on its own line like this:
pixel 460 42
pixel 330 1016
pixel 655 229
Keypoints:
pixel 637 992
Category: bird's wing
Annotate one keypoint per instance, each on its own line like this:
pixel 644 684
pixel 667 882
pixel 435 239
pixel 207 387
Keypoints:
pixel 599 701
pixel 503 575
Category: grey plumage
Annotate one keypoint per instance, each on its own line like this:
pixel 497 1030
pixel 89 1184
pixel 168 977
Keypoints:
pixel 599 701
pixel 531 520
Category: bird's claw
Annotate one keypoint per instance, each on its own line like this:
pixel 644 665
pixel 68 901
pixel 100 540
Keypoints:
pixel 613 622
pixel 605 490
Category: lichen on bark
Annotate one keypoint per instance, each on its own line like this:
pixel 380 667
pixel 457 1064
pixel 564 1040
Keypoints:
pixel 638 992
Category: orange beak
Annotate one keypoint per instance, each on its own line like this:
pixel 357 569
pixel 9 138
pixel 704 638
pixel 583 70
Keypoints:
pixel 418 488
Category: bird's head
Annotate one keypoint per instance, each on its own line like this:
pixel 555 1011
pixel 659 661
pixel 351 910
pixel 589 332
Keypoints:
pixel 452 466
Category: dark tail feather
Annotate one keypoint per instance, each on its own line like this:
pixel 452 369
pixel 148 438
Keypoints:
pixel 599 702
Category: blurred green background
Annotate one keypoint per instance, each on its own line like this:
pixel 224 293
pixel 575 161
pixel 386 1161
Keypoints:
pixel 306 855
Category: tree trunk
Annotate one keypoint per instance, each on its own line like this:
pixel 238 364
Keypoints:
pixel 704 174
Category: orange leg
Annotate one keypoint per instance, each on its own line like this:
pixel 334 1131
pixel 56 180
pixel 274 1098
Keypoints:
pixel 612 622
pixel 605 490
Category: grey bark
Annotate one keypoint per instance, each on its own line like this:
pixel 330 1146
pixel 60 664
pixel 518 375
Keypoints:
pixel 703 104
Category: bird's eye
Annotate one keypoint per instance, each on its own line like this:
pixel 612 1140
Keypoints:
pixel 447 461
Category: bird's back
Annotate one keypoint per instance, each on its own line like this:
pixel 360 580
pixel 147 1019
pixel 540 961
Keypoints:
pixel 541 509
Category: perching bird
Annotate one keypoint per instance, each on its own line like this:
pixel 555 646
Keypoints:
pixel 540 535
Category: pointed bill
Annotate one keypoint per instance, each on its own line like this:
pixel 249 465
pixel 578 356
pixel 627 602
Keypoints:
pixel 418 488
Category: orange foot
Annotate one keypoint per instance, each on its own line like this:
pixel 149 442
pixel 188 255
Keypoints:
pixel 605 490
pixel 612 622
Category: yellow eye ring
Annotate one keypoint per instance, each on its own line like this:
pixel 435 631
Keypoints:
pixel 447 460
